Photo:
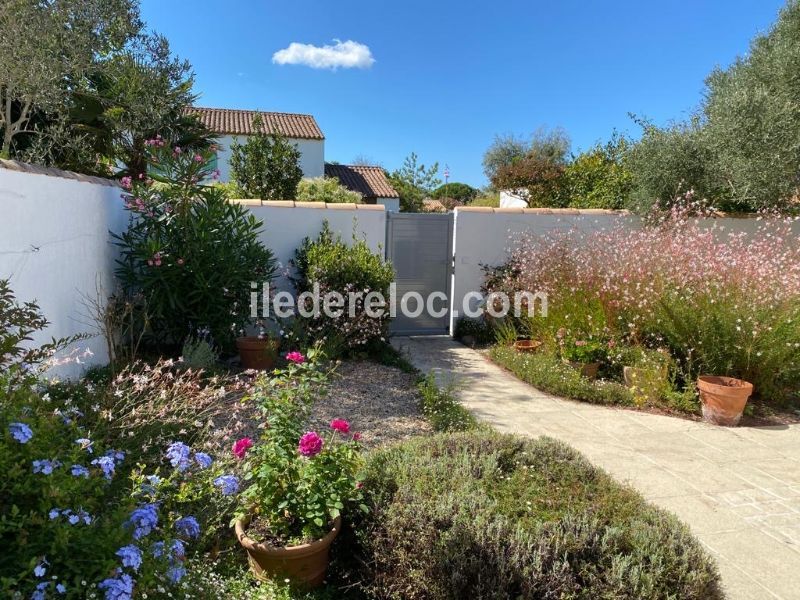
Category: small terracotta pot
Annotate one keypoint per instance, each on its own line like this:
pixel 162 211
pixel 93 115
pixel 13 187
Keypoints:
pixel 527 345
pixel 588 370
pixel 723 398
pixel 305 564
pixel 257 353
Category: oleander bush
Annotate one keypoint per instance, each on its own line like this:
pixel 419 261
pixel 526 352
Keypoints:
pixel 483 515
pixel 188 256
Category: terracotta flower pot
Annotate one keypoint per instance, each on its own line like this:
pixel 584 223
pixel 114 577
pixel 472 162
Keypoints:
pixel 257 353
pixel 588 370
pixel 305 564
pixel 723 398
pixel 527 345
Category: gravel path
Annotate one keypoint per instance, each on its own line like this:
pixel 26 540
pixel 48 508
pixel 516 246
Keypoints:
pixel 382 403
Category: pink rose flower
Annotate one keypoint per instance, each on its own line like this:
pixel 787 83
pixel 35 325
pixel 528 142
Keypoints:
pixel 340 425
pixel 356 436
pixel 295 357
pixel 310 444
pixel 240 447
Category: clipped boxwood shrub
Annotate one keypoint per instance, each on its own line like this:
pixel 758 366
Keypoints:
pixel 484 515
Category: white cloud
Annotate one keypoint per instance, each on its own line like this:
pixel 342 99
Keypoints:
pixel 347 55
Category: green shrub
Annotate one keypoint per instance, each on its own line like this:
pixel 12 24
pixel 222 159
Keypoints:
pixel 353 271
pixel 480 515
pixel 198 353
pixel 188 256
pixel 458 191
pixel 546 372
pixel 326 189
pixel 267 165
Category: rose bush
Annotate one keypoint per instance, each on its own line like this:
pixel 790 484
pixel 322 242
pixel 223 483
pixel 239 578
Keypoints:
pixel 296 483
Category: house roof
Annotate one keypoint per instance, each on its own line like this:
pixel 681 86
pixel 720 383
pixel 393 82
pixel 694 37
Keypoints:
pixel 240 122
pixel 370 182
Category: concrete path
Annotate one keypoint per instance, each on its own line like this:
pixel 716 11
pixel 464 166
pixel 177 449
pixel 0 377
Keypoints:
pixel 738 489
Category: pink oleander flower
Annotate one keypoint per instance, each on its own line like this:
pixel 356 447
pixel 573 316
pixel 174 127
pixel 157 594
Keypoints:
pixel 198 158
pixel 295 357
pixel 240 447
pixel 340 425
pixel 310 444
pixel 126 182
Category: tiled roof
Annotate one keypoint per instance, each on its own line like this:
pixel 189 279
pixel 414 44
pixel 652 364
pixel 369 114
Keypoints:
pixel 370 182
pixel 240 122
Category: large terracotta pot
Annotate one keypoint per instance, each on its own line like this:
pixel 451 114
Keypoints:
pixel 305 564
pixel 588 370
pixel 723 398
pixel 257 353
pixel 527 345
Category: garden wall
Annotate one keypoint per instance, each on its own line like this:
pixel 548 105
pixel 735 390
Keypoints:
pixel 483 236
pixel 55 247
pixel 287 223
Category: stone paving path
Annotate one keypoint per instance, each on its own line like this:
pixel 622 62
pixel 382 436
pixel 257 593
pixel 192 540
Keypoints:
pixel 737 488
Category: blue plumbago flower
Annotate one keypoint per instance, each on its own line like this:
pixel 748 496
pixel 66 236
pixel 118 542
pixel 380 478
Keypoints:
pixel 45 467
pixel 229 484
pixel 177 550
pixel 144 519
pixel 20 432
pixel 106 463
pixel 61 588
pixel 40 569
pixel 39 594
pixel 117 588
pixel 176 573
pixel 178 455
pixel 188 527
pixel 74 519
pixel 203 459
pixel 117 455
pixel 54 513
pixel 79 471
pixel 85 444
pixel 131 556
pixel 154 479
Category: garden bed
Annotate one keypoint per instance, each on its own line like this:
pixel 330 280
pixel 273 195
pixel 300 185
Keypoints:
pixel 382 403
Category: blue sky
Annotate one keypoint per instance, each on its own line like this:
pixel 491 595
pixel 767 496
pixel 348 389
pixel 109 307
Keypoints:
pixel 450 75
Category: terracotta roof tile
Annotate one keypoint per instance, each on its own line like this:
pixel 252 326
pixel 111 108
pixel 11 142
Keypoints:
pixel 239 122
pixel 370 182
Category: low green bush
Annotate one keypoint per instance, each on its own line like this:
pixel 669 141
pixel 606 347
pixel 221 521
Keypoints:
pixel 548 373
pixel 483 515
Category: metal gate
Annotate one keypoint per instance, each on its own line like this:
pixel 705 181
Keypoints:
pixel 420 246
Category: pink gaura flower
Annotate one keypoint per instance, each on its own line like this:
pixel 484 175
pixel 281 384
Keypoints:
pixel 295 357
pixel 240 447
pixel 310 444
pixel 340 425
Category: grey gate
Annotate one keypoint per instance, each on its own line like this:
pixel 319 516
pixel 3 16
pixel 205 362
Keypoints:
pixel 420 246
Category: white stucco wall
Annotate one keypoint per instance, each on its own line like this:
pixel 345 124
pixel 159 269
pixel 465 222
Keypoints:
pixel 287 223
pixel 390 204
pixel 312 156
pixel 55 249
